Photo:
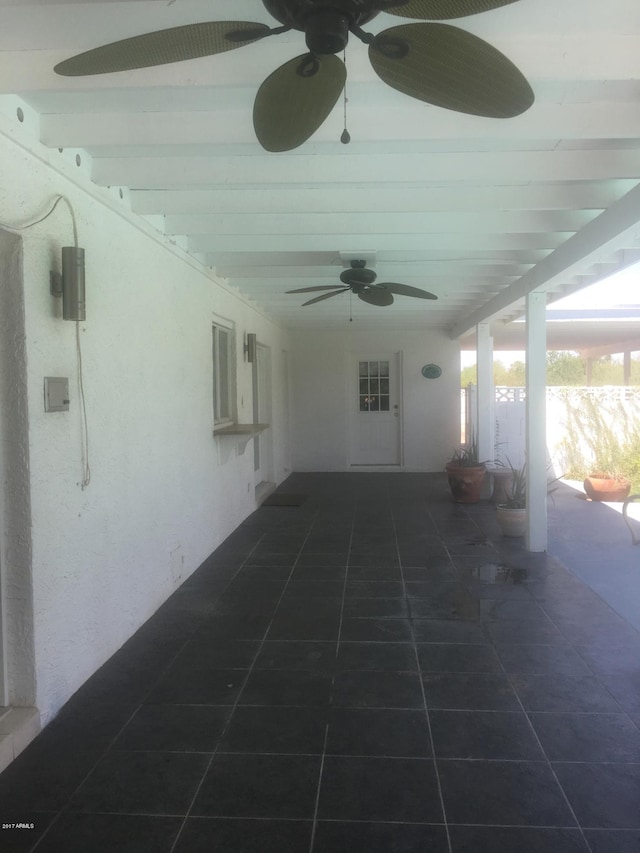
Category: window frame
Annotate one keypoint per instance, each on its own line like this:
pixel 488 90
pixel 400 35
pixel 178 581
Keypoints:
pixel 223 385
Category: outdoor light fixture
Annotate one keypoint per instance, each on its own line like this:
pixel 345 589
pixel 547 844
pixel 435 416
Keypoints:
pixel 70 285
pixel 250 348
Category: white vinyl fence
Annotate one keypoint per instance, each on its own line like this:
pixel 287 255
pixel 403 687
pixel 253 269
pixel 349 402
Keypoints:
pixel 578 420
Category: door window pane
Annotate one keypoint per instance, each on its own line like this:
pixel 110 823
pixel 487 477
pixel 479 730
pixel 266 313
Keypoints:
pixel 374 386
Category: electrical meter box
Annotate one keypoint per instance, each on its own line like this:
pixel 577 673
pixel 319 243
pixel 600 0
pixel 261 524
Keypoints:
pixel 56 394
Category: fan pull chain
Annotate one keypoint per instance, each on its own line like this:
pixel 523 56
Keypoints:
pixel 346 136
pixel 350 306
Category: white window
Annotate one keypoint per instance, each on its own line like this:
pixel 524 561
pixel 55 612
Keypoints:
pixel 373 377
pixel 223 374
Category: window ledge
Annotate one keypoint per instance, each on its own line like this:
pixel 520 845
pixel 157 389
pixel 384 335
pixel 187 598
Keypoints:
pixel 235 435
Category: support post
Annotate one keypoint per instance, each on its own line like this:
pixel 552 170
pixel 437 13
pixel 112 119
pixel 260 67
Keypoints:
pixel 627 368
pixel 486 393
pixel 536 416
pixel 589 371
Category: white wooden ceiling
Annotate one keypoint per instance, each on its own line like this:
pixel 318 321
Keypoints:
pixel 478 211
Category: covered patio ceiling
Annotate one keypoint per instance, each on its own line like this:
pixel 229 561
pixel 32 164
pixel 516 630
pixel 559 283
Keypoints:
pixel 594 335
pixel 592 339
pixel 478 211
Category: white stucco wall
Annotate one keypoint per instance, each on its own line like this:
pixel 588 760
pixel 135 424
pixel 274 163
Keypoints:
pixel 431 408
pixel 101 557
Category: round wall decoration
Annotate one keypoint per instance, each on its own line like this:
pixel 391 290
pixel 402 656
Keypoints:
pixel 431 371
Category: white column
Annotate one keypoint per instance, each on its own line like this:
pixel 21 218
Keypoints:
pixel 486 393
pixel 536 416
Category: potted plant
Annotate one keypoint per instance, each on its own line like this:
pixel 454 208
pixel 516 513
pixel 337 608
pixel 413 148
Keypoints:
pixel 502 476
pixel 511 514
pixel 466 473
pixel 604 485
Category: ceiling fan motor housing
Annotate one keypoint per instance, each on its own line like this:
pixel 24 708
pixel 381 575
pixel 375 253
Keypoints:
pixel 325 23
pixel 358 276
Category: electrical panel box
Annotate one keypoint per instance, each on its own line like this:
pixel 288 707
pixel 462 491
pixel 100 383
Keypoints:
pixel 56 394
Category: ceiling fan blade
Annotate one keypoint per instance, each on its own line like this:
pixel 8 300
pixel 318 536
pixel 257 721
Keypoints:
pixel 376 296
pixel 451 68
pixel 163 47
pixel 295 100
pixel 313 289
pixel 326 296
pixel 407 290
pixel 442 10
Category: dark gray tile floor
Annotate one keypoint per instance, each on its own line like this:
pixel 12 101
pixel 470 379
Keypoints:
pixel 375 671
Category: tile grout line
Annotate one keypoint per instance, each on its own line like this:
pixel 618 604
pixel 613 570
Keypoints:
pixel 346 579
pixel 591 670
pixel 250 670
pixel 314 825
pixel 547 760
pixel 424 696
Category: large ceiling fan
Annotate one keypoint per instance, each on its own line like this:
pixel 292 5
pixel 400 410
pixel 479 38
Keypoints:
pixel 360 280
pixel 437 63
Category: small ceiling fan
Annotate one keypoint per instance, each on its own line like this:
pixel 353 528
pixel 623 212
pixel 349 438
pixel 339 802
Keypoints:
pixel 437 63
pixel 362 281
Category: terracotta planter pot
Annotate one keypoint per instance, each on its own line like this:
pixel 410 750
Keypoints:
pixel 465 482
pixel 607 489
pixel 513 522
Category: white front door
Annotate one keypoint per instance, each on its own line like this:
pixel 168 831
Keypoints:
pixel 374 409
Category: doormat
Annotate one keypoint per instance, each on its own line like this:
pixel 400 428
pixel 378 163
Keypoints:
pixel 284 499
